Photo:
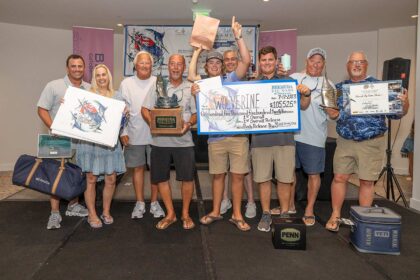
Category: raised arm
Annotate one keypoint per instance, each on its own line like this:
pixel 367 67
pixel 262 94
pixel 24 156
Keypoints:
pixel 192 68
pixel 245 61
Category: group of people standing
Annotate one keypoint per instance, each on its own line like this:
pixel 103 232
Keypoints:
pixel 359 145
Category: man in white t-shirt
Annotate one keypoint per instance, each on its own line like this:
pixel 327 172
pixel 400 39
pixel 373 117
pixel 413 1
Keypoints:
pixel 136 137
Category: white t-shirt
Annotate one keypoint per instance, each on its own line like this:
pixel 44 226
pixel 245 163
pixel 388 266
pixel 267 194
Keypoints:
pixel 134 92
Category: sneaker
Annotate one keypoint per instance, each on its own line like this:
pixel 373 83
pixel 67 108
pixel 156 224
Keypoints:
pixel 156 210
pixel 265 222
pixel 138 210
pixel 251 210
pixel 54 221
pixel 77 209
pixel 225 206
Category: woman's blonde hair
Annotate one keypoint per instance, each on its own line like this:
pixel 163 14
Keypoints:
pixel 94 85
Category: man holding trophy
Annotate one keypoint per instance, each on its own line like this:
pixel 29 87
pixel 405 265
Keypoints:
pixel 178 147
pixel 310 140
pixel 360 144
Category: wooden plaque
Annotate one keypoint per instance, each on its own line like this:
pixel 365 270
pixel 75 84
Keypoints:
pixel 166 121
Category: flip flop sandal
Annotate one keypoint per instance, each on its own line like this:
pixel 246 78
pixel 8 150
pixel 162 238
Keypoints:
pixel 275 211
pixel 165 223
pixel 309 220
pixel 208 219
pixel 240 224
pixel 188 223
pixel 108 220
pixel 335 224
pixel 94 224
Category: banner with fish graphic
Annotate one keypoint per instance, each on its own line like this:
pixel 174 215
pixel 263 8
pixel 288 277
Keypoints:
pixel 88 116
pixel 96 46
pixel 161 41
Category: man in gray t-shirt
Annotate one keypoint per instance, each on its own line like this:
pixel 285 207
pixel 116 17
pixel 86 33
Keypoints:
pixel 48 105
pixel 179 147
pixel 274 149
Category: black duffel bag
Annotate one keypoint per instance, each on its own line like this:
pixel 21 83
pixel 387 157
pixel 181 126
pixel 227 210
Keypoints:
pixel 50 176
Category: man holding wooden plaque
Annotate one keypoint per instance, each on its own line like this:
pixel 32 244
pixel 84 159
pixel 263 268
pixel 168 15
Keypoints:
pixel 178 147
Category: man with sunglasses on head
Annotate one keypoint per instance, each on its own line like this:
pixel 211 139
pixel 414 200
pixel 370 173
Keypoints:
pixel 231 62
pixel 226 153
pixel 360 143
pixel 310 140
pixel 176 148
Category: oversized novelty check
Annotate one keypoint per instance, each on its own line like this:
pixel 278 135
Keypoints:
pixel 248 107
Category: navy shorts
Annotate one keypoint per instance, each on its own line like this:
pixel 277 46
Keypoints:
pixel 182 157
pixel 310 158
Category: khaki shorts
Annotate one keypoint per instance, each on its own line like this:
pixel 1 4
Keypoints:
pixel 283 158
pixel 364 157
pixel 229 154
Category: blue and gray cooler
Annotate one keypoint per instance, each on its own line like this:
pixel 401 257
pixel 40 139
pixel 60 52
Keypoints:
pixel 375 230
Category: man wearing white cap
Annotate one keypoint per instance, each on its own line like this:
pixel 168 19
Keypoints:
pixel 310 140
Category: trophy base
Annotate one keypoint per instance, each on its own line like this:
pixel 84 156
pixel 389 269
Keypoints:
pixel 166 121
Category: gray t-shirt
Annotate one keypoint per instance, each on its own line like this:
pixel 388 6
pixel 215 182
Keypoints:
pixel 273 139
pixel 53 92
pixel 187 102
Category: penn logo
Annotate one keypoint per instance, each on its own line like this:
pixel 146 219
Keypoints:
pixel 290 235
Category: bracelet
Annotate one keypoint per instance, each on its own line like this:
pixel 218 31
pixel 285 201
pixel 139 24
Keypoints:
pixel 238 38
pixel 307 95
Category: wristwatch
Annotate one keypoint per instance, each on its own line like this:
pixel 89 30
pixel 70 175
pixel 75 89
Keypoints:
pixel 307 95
pixel 237 38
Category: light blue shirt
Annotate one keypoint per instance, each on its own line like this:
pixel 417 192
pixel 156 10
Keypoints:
pixel 53 92
pixel 314 121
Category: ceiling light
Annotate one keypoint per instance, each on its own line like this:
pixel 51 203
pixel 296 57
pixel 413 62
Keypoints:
pixel 120 24
pixel 266 0
pixel 414 16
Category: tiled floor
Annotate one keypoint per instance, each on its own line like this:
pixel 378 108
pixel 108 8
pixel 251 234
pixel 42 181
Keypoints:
pixel 125 189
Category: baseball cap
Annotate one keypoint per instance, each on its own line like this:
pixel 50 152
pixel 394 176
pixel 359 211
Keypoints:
pixel 315 51
pixel 214 54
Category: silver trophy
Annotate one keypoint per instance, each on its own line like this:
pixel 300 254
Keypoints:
pixel 163 100
pixel 328 94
